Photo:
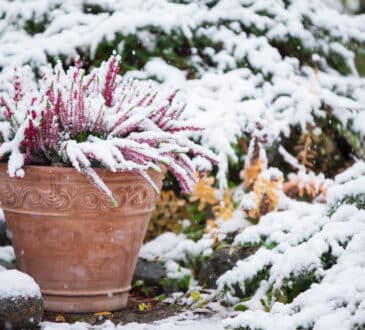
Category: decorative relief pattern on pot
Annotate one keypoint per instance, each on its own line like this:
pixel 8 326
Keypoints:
pixel 18 195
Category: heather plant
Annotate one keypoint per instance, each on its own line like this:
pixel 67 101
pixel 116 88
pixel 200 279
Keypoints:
pixel 96 120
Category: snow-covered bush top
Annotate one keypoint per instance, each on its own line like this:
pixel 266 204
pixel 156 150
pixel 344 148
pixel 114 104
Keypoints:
pixel 308 267
pixel 349 188
pixel 95 120
pixel 281 63
pixel 301 269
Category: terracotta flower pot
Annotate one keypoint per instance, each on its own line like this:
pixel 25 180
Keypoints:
pixel 67 235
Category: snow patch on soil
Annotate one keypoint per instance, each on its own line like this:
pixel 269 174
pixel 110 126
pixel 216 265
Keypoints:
pixel 173 323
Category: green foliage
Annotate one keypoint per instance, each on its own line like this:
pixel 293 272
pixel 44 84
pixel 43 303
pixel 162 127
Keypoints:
pixel 335 60
pixel 83 136
pixel 332 149
pixel 292 287
pixel 94 8
pixel 196 229
pixel 209 3
pixel 161 298
pixel 271 245
pixel 240 307
pixel 139 286
pixel 256 245
pixel 173 47
pixel 252 284
pixel 360 61
pixel 358 200
pixel 176 284
pixel 328 259
pixel 308 327
pixel 195 262
pixel 32 26
pixel 248 328
pixel 293 47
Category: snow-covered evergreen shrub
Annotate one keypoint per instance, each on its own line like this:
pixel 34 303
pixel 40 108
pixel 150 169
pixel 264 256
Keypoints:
pixel 313 271
pixel 350 188
pixel 305 266
pixel 96 120
pixel 288 65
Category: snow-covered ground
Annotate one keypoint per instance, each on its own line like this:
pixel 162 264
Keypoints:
pixel 180 322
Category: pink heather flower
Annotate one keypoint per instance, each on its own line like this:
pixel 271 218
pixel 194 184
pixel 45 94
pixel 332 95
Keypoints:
pixel 110 79
pixel 102 120
pixel 7 113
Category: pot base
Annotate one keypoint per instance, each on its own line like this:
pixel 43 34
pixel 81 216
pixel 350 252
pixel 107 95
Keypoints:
pixel 85 302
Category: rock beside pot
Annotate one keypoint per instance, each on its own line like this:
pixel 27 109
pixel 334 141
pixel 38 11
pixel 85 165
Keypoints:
pixel 222 260
pixel 21 303
pixel 150 272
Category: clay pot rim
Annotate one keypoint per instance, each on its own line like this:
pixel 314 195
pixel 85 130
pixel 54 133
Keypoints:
pixel 69 170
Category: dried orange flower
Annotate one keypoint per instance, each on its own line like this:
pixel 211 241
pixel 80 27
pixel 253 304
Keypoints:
pixel 305 151
pixel 211 224
pixel 265 195
pixel 256 162
pixel 204 192
pixel 307 184
pixel 224 209
pixel 170 209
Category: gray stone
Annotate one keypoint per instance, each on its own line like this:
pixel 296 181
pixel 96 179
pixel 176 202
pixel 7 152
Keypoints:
pixel 222 260
pixel 21 303
pixel 20 312
pixel 151 273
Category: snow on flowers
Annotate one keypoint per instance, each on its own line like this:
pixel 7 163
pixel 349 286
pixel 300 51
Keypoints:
pixel 96 120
